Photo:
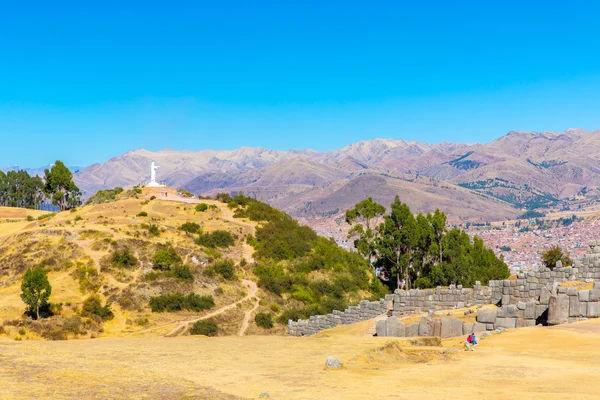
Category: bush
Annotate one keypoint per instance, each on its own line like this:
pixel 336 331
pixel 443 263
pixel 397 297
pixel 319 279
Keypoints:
pixel 93 306
pixel 123 258
pixel 152 197
pixel 172 302
pixel 153 230
pixel 190 227
pixel 164 258
pixel 201 207
pixel 182 272
pixel 30 218
pixel 142 214
pixel 206 327
pixel 264 320
pixel 216 239
pixel 225 268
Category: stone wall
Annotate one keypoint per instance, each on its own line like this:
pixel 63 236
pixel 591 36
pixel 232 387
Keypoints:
pixel 533 298
pixel 364 311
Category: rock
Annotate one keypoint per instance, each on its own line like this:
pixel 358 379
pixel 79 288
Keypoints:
pixel 511 311
pixel 394 328
pixel 505 299
pixel 559 264
pixel 558 309
pixel 412 330
pixel 584 295
pixel 521 305
pixel 451 327
pixel 467 328
pixel 380 328
pixel 264 395
pixel 333 363
pixel 545 295
pixel 574 309
pixel 486 315
pixel 594 295
pixel 593 310
pixel 425 326
pixel 479 327
pixel 437 328
pixel 506 323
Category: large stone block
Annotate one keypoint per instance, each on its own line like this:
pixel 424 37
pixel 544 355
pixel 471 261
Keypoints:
pixel 437 327
pixel 380 328
pixel 479 327
pixel 524 323
pixel 505 323
pixel 467 328
pixel 394 327
pixel 511 311
pixel 593 309
pixel 426 326
pixel 412 330
pixel 584 295
pixel 594 295
pixel 558 309
pixel 574 309
pixel 545 296
pixel 451 327
pixel 486 315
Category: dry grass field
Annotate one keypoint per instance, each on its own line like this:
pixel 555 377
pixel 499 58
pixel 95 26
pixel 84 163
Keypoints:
pixel 541 363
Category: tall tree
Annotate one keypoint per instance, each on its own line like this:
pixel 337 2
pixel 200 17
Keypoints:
pixel 61 188
pixel 35 289
pixel 397 241
pixel 553 255
pixel 364 217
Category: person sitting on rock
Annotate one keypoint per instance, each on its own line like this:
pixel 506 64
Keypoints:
pixel 473 339
pixel 469 343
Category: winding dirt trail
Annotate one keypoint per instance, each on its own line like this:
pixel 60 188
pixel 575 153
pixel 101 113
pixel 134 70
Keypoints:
pixel 180 325
pixel 248 314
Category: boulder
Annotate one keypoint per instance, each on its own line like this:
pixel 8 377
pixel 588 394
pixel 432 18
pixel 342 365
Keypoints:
pixel 426 326
pixel 486 315
pixel 394 327
pixel 451 327
pixel 558 309
pixel 594 295
pixel 437 328
pixel 333 363
pixel 505 323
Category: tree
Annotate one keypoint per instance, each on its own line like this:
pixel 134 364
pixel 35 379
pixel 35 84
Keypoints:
pixel 60 187
pixel 397 241
pixel 554 254
pixel 365 216
pixel 35 289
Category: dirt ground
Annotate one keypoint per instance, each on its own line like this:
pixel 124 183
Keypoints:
pixel 541 363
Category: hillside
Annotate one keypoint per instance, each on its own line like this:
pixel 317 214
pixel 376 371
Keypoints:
pixel 519 170
pixel 143 250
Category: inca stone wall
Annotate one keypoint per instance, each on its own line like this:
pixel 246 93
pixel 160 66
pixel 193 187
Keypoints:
pixel 531 299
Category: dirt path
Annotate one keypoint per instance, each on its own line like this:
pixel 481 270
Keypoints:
pixel 180 325
pixel 248 314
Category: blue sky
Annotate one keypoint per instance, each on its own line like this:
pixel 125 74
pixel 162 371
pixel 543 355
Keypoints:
pixel 83 82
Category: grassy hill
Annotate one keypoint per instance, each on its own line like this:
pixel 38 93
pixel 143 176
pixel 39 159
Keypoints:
pixel 163 265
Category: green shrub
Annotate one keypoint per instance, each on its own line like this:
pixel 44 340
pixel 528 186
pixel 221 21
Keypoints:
pixel 123 258
pixel 190 227
pixel 164 258
pixel 142 214
pixel 44 216
pixel 225 268
pixel 93 306
pixel 172 302
pixel 78 218
pixel 264 320
pixel 182 272
pixel 30 218
pixel 206 327
pixel 153 230
pixel 152 197
pixel 216 239
pixel 201 207
pixel 224 197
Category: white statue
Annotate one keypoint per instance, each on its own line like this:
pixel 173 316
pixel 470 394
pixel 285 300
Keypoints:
pixel 153 168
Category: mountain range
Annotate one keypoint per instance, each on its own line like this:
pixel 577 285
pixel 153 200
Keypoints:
pixel 498 180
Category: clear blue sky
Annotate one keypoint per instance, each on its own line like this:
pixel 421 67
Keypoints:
pixel 84 81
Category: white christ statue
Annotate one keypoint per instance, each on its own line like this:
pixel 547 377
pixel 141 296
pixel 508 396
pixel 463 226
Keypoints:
pixel 153 168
